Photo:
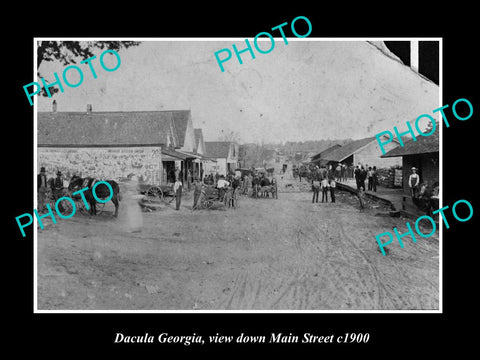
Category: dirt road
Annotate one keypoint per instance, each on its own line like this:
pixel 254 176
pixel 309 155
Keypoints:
pixel 285 254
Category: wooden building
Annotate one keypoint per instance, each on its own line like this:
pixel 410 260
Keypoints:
pixel 319 158
pixel 422 154
pixel 365 151
pixel 223 157
pixel 111 145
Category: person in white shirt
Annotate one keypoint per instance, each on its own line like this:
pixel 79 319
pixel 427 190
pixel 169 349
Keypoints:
pixel 332 190
pixel 325 186
pixel 413 182
pixel 222 183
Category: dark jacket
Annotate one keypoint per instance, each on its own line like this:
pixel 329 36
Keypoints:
pixel 57 183
pixel 39 180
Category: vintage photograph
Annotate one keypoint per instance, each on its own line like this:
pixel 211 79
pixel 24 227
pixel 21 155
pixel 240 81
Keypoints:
pixel 163 183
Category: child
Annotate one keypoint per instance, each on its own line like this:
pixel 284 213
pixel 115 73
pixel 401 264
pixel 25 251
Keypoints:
pixel 361 195
pixel 332 190
pixel 325 187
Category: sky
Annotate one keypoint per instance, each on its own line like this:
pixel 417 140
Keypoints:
pixel 308 89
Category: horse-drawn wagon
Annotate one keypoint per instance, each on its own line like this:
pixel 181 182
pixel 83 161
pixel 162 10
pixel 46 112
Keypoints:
pixel 211 196
pixel 265 187
pixel 155 193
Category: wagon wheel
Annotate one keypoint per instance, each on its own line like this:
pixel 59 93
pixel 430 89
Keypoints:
pixel 153 193
pixel 205 202
pixel 208 203
pixel 68 207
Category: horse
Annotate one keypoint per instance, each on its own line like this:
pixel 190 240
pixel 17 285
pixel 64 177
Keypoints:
pixel 101 191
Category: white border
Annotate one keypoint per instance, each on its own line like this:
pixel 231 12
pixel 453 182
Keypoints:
pixel 334 39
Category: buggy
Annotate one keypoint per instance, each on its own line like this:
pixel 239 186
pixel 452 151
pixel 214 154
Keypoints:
pixel 210 196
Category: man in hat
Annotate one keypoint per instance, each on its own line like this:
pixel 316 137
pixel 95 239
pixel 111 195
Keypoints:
pixel 41 189
pixel 59 190
pixel 413 182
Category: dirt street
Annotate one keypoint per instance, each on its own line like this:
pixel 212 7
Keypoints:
pixel 285 254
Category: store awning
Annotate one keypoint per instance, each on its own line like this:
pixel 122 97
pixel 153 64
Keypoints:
pixel 172 155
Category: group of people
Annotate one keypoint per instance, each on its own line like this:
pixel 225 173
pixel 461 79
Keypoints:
pixel 323 180
pixel 368 173
pixel 55 185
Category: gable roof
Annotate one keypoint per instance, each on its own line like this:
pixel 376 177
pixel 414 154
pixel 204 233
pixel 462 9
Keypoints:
pixel 423 144
pixel 348 149
pixel 104 128
pixel 180 119
pixel 217 149
pixel 325 152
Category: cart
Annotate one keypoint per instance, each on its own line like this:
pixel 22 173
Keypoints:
pixel 212 196
pixel 157 193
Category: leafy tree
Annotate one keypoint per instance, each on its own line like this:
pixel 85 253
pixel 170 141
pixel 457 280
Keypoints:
pixel 68 52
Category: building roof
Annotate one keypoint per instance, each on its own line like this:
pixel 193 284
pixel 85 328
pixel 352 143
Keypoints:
pixel 348 149
pixel 181 118
pixel 170 154
pixel 422 145
pixel 217 149
pixel 105 128
pixel 325 152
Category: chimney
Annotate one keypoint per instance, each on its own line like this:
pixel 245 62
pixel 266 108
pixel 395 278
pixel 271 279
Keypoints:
pixel 54 106
pixel 89 108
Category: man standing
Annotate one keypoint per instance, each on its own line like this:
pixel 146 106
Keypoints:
pixel 197 191
pixel 332 190
pixel 58 190
pixel 315 186
pixel 338 171
pixel 370 178
pixel 374 178
pixel 324 185
pixel 356 174
pixel 177 189
pixel 41 189
pixel 413 182
pixel 189 179
pixel 363 177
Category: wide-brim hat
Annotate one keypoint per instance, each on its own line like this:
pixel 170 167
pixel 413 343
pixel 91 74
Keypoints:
pixel 414 168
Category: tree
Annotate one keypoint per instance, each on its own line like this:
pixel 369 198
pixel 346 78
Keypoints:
pixel 429 127
pixel 67 52
pixel 231 136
